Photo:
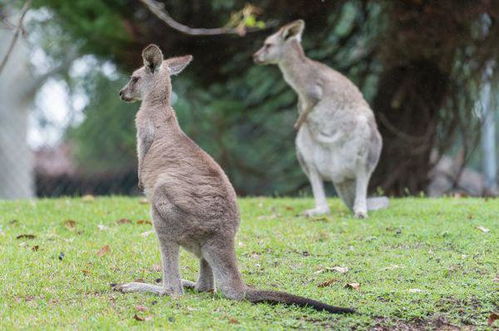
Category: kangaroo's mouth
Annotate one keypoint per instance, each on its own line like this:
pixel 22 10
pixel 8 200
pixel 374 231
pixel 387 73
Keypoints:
pixel 127 99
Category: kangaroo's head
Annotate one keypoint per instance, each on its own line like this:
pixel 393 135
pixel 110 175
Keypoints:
pixel 154 76
pixel 275 45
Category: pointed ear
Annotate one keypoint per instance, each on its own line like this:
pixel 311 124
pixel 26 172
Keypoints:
pixel 177 64
pixel 153 58
pixel 293 29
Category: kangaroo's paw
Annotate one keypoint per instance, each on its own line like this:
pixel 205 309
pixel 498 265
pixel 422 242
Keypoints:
pixel 139 287
pixel 316 211
pixel 188 284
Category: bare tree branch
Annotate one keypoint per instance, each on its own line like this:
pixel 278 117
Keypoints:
pixel 19 29
pixel 158 9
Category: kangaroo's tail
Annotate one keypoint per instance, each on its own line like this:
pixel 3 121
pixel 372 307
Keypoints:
pixel 377 203
pixel 273 297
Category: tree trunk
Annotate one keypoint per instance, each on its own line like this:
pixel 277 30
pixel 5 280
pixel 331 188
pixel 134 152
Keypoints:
pixel 407 104
pixel 16 161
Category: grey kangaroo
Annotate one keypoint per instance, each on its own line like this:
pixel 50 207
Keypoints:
pixel 338 139
pixel 193 203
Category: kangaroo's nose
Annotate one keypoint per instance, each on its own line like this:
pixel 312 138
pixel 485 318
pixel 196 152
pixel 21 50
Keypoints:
pixel 121 93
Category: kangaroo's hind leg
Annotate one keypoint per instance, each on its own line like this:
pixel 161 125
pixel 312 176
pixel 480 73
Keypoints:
pixel 205 282
pixel 221 256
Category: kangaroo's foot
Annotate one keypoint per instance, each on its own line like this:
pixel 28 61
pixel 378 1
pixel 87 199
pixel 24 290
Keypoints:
pixel 140 287
pixel 361 213
pixel 323 210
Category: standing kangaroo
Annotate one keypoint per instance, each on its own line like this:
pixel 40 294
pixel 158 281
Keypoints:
pixel 337 138
pixel 193 204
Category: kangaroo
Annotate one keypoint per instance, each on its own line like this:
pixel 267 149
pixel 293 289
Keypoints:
pixel 193 204
pixel 337 137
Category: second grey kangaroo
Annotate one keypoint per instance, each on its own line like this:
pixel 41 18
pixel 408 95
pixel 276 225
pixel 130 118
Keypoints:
pixel 338 139
pixel 193 203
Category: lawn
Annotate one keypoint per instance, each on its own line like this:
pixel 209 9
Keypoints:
pixel 422 263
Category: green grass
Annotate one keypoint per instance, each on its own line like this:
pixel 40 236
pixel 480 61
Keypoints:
pixel 422 263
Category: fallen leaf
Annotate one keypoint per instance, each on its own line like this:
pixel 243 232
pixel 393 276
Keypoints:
pixel 483 229
pixel 102 227
pixel 124 221
pixel 103 251
pixel 143 201
pixel 289 208
pixel 414 290
pixel 233 321
pixel 141 308
pixel 35 248
pixel 157 268
pixel 70 224
pixel 147 233
pixel 139 280
pixel 328 282
pixel 88 198
pixel 353 286
pixel 86 272
pixel 143 222
pixel 492 318
pixel 26 236
pixel 496 279
pixel 339 269
pixel 138 318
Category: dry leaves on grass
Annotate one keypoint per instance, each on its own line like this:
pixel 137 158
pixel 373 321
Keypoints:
pixel 124 221
pixel 143 201
pixel 157 268
pixel 143 222
pixel 70 224
pixel 26 236
pixel 233 321
pixel 483 229
pixel 353 286
pixel 35 248
pixel 141 308
pixel 103 251
pixel 492 318
pixel 328 282
pixel 415 290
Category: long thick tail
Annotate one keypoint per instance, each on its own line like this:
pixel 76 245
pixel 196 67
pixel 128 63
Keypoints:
pixel 273 297
pixel 377 203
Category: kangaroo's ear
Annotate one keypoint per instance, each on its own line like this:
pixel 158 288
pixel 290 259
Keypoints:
pixel 153 58
pixel 177 64
pixel 293 29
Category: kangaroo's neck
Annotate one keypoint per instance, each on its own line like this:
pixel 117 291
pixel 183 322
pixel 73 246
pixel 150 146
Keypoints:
pixel 294 65
pixel 156 109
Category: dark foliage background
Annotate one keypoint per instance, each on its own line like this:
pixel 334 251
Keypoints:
pixel 418 62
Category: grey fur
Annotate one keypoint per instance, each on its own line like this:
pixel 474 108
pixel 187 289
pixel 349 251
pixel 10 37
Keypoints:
pixel 193 204
pixel 337 139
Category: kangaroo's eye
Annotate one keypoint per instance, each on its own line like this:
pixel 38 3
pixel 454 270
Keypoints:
pixel 135 79
pixel 267 46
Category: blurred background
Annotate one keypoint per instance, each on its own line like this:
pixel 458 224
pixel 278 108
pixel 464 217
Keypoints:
pixel 427 68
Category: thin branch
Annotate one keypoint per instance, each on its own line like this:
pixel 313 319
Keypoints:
pixel 159 10
pixel 19 29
